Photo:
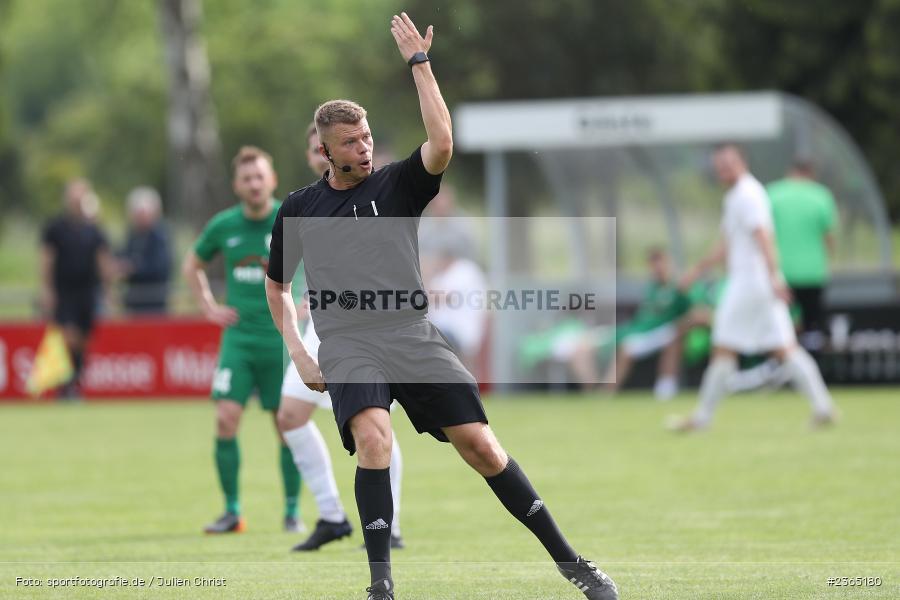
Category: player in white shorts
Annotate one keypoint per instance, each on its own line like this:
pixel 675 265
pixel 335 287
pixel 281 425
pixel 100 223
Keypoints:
pixel 302 436
pixel 752 316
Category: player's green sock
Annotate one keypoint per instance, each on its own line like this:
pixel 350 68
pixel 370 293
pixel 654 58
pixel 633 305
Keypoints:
pixel 228 463
pixel 291 478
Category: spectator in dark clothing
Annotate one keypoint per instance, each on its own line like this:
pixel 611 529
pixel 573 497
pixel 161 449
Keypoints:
pixel 76 266
pixel 146 260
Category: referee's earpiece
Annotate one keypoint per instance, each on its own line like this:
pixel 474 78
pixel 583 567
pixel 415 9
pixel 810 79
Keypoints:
pixel 345 168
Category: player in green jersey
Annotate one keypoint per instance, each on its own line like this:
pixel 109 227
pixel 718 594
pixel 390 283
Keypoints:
pixel 805 218
pixel 654 328
pixel 663 318
pixel 250 355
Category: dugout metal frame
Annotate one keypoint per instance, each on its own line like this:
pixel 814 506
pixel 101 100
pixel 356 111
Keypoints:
pixel 557 132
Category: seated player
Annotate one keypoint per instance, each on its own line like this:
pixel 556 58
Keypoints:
pixel 662 320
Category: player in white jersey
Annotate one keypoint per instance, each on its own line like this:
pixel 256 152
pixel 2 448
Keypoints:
pixel 752 316
pixel 298 402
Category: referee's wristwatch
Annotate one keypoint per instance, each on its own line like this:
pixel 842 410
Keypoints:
pixel 418 57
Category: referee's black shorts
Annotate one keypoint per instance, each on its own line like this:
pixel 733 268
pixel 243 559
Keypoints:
pixel 76 308
pixel 412 363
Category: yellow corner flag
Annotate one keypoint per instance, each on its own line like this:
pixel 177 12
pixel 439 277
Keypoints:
pixel 52 364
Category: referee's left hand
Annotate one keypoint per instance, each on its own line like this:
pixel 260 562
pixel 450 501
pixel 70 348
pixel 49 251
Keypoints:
pixel 408 39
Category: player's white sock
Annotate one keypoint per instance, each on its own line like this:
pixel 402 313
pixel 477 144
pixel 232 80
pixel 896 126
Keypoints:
pixel 666 387
pixel 396 475
pixel 714 387
pixel 807 379
pixel 314 463
pixel 754 377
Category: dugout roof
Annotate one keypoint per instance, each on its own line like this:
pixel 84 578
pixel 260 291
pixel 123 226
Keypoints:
pixel 645 161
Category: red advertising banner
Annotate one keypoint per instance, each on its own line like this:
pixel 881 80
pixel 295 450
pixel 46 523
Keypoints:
pixel 139 358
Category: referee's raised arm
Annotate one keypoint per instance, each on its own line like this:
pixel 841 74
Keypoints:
pixel 436 152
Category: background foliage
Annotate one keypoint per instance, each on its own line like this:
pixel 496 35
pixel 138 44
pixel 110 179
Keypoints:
pixel 82 85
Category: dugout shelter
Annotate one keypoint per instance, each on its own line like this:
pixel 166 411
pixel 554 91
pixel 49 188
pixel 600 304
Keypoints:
pixel 646 162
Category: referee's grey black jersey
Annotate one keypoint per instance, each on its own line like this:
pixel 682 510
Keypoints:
pixel 359 247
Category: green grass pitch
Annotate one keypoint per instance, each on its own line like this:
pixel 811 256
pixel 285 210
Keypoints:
pixel 758 507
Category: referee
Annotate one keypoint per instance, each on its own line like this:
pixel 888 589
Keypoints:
pixel 76 274
pixel 355 230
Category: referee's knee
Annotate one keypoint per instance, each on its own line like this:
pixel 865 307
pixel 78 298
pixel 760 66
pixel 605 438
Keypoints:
pixel 373 447
pixel 373 440
pixel 483 452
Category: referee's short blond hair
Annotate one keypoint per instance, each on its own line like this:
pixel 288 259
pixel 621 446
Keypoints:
pixel 333 112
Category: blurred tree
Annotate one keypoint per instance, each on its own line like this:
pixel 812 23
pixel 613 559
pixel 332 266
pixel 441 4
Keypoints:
pixel 84 83
pixel 194 150
pixel 507 49
pixel 10 177
pixel 273 64
pixel 843 56
pixel 511 49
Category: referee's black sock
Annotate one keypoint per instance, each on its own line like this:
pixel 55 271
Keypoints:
pixel 518 496
pixel 376 511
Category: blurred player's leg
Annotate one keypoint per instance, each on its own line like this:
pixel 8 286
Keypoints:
pixel 810 333
pixel 666 386
pixel 807 378
pixel 233 383
pixel 640 344
pixel 619 371
pixel 291 478
pixel 228 462
pixel 768 373
pixel 713 387
pixel 583 364
pixel 267 369
pixel 75 338
pixel 310 452
pixel 396 470
pixel 312 460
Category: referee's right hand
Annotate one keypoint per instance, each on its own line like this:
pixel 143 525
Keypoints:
pixel 309 372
